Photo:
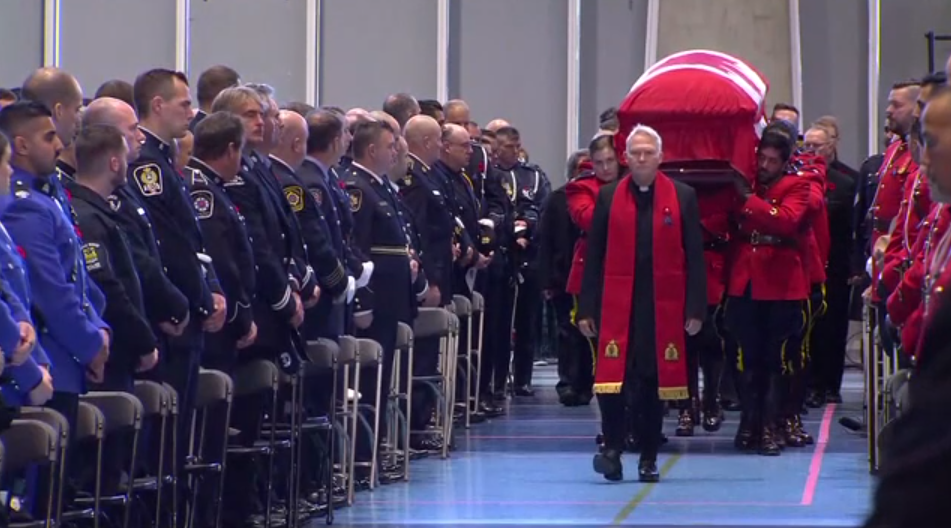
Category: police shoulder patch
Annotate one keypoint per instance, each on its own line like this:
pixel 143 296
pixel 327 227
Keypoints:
pixel 149 179
pixel 356 199
pixel 204 202
pixel 295 197
pixel 92 256
pixel 318 196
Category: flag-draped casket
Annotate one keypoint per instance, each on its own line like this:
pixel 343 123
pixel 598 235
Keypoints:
pixel 708 108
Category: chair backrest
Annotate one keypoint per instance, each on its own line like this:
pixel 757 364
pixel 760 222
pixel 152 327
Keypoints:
pixel 432 322
pixel 90 422
pixel 213 387
pixel 322 353
pixel 478 302
pixel 28 442
pixel 348 350
pixel 121 409
pixel 154 397
pixel 463 306
pixel 48 416
pixel 256 376
pixel 404 336
pixel 370 352
pixel 172 398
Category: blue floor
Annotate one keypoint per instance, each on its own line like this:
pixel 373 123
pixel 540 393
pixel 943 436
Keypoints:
pixel 533 466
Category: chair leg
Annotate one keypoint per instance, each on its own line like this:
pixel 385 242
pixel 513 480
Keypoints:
pixel 224 460
pixel 354 426
pixel 446 349
pixel 409 412
pixel 376 427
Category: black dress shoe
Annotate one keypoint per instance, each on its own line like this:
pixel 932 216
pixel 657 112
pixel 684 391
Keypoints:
pixel 608 463
pixel 524 390
pixel 730 405
pixel 490 410
pixel 584 398
pixel 647 471
pixel 476 417
pixel 834 397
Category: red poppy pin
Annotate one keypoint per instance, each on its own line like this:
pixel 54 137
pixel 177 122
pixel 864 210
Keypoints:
pixel 21 251
pixel 482 167
pixel 79 232
pixel 69 195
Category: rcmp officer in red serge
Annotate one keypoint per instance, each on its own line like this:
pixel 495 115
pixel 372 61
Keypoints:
pixel 767 284
pixel 643 292
pixel 914 480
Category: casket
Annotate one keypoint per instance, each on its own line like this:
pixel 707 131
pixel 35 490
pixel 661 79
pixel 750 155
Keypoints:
pixel 708 108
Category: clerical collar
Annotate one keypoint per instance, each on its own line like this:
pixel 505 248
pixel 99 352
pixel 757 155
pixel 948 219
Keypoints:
pixel 368 171
pixel 421 162
pixel 279 161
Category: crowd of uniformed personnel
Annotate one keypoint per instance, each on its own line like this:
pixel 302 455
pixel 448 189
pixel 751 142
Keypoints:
pixel 145 240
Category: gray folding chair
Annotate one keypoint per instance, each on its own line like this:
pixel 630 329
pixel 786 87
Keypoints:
pixel 58 422
pixel 254 378
pixel 172 479
pixel 474 346
pixel 398 434
pixel 347 413
pixel 215 388
pixel 28 442
pixel 90 427
pixel 156 404
pixel 122 412
pixel 369 355
pixel 323 357
pixel 438 323
pixel 463 312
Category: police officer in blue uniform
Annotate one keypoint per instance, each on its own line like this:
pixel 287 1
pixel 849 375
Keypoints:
pixel 379 231
pixel 25 379
pixel 527 188
pixel 78 344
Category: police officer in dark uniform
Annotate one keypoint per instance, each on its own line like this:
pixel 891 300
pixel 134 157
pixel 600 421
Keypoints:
pixel 286 159
pixel 219 142
pixel 450 171
pixel 327 140
pixel 527 187
pixel 165 305
pixel 379 231
pixel 278 309
pixel 210 83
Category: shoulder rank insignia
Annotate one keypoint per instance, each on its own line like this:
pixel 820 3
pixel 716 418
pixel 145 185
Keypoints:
pixel 671 353
pixel 149 179
pixel 407 180
pixel 204 203
pixel 612 350
pixel 773 211
pixel 318 196
pixel 238 180
pixel 295 197
pixel 91 256
pixel 114 202
pixel 356 199
pixel 22 193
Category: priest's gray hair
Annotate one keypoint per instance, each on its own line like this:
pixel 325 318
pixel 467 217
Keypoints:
pixel 645 130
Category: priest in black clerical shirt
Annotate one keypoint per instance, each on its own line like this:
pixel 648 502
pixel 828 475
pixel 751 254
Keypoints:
pixel 643 291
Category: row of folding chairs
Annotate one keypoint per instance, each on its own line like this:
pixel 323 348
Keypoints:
pixel 39 436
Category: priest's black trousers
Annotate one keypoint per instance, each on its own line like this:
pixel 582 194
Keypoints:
pixel 642 395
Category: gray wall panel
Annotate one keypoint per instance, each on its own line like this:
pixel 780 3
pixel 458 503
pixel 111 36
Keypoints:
pixel 613 35
pixel 756 31
pixel 512 63
pixel 21 29
pixel 262 40
pixel 99 42
pixel 835 70
pixel 366 58
pixel 904 48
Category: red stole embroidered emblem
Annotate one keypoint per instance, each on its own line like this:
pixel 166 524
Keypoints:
pixel 669 263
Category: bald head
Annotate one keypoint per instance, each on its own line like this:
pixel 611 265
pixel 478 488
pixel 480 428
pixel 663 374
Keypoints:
pixel 61 93
pixel 423 138
pixel 497 124
pixel 457 112
pixel 356 116
pixel 116 113
pixel 456 148
pixel 292 148
pixel 402 107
